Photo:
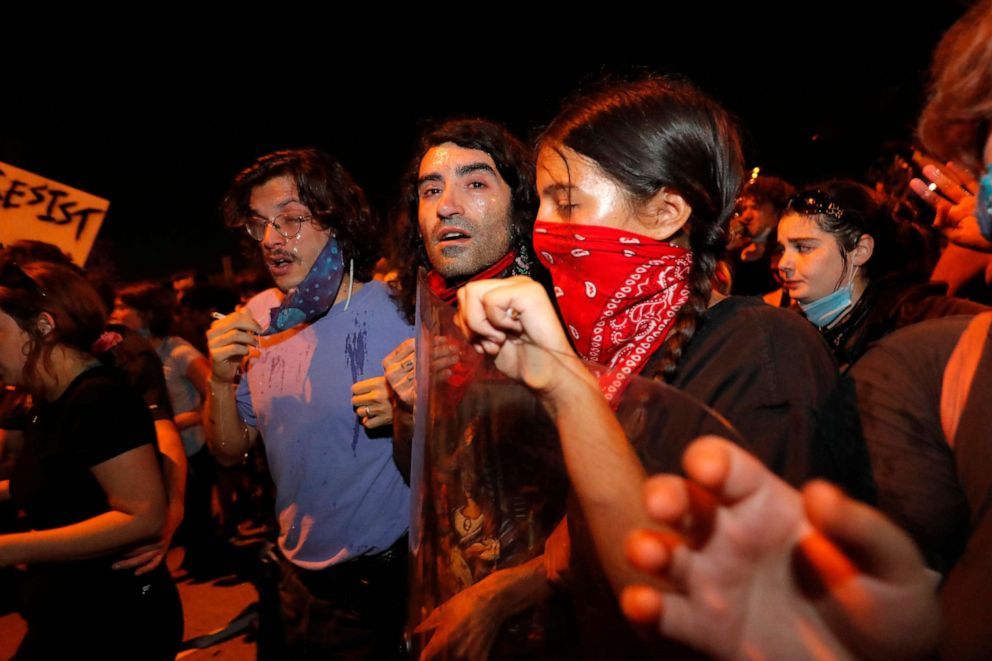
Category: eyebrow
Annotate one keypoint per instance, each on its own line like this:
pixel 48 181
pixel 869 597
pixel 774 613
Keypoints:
pixel 793 239
pixel 461 171
pixel 282 205
pixel 551 189
pixel 479 166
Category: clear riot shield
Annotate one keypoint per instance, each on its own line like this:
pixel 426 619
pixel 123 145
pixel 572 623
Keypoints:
pixel 489 485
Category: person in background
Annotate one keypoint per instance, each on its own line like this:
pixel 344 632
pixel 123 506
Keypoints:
pixel 148 309
pixel 89 479
pixel 857 271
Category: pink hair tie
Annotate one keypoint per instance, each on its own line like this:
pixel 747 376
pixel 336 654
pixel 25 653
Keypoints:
pixel 107 341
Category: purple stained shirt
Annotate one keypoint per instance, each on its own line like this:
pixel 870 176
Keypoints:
pixel 338 492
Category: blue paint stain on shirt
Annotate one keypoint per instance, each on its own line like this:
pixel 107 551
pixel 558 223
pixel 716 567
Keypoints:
pixel 356 352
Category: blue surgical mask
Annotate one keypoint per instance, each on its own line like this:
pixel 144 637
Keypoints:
pixel 983 209
pixel 823 311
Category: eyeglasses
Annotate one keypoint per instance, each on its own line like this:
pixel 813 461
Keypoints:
pixel 13 276
pixel 288 225
pixel 815 202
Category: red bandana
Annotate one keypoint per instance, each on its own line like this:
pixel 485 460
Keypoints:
pixel 449 293
pixel 618 293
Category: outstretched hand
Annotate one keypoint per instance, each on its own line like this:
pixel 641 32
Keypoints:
pixel 758 569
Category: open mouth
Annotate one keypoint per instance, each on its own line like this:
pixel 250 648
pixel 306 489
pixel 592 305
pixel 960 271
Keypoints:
pixel 279 263
pixel 448 235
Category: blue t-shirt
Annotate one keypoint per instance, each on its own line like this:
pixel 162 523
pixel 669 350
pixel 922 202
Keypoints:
pixel 338 492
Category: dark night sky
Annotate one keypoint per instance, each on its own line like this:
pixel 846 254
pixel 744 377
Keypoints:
pixel 163 145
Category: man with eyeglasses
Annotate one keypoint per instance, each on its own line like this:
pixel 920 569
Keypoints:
pixel 342 506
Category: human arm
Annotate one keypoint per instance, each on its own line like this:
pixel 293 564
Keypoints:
pixel 465 626
pixel 513 320
pixel 229 341
pixel 170 446
pixel 133 485
pixel 197 373
pixel 758 569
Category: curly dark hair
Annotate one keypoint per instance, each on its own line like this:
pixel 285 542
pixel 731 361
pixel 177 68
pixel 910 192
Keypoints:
pixel 662 132
pixel 326 189
pixel 515 164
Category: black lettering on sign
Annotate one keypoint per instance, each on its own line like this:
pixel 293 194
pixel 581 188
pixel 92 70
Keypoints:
pixel 58 208
pixel 12 192
pixel 53 198
pixel 83 215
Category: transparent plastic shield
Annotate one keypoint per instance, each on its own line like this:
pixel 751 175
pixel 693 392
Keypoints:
pixel 489 485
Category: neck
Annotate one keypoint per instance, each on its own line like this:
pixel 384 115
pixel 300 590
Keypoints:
pixel 66 365
pixel 860 284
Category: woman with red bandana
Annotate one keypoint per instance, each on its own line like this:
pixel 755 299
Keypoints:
pixel 637 183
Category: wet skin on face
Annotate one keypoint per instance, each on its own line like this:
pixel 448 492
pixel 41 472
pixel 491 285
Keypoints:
pixel 464 210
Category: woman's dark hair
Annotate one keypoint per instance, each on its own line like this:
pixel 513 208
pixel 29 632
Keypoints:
pixel 515 165
pixel 32 289
pixel 154 303
pixel 899 246
pixel 958 116
pixel 664 133
pixel 326 189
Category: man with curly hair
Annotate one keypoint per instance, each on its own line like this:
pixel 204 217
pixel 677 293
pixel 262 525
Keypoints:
pixel 342 506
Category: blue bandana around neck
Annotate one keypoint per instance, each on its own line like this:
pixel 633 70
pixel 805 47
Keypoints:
pixel 315 294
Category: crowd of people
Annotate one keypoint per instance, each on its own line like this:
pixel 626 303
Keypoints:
pixel 845 513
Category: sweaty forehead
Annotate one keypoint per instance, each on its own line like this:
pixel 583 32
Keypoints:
pixel 451 160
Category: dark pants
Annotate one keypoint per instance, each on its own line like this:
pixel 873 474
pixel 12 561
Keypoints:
pixel 353 610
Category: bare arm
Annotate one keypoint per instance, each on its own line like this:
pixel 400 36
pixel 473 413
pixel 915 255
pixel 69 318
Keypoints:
pixel 514 321
pixel 198 373
pixel 170 445
pixel 133 484
pixel 465 626
pixel 229 340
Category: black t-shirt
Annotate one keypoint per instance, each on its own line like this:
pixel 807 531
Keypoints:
pixel 142 367
pixel 769 372
pixel 942 495
pixel 771 375
pixel 98 417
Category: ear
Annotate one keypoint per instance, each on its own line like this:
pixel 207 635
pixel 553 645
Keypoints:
pixel 665 214
pixel 45 324
pixel 863 250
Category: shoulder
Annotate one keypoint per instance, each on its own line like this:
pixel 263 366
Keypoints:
pixel 750 320
pixel 179 348
pixel 763 352
pixel 262 303
pixel 377 298
pixel 917 348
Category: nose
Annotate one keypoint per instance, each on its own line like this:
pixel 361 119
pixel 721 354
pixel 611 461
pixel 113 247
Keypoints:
pixel 272 238
pixel 450 203
pixel 786 263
